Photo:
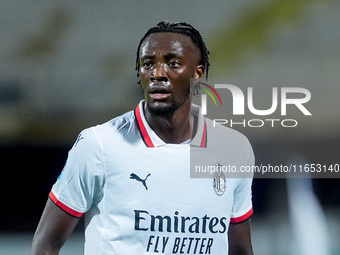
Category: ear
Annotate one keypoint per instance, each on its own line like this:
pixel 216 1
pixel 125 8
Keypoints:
pixel 199 72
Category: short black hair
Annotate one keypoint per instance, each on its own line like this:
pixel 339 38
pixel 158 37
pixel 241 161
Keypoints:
pixel 181 28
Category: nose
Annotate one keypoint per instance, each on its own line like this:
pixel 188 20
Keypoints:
pixel 159 73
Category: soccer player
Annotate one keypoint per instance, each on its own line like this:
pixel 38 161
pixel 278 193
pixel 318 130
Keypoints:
pixel 130 176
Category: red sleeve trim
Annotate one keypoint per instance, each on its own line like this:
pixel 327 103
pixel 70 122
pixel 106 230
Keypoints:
pixel 242 218
pixel 65 207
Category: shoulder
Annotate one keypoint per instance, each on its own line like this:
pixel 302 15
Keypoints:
pixel 89 146
pixel 226 135
pixel 95 135
pixel 230 142
pixel 121 124
pixel 91 137
pixel 115 131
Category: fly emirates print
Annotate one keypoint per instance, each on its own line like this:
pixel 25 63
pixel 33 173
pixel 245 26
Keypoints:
pixel 201 227
pixel 267 105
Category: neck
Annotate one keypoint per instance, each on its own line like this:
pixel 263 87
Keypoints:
pixel 175 128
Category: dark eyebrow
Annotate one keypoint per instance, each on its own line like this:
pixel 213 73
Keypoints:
pixel 166 56
pixel 148 57
pixel 172 55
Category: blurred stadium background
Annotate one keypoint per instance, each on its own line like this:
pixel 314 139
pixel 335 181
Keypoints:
pixel 68 65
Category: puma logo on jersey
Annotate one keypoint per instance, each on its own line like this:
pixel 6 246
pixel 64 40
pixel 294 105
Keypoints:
pixel 137 178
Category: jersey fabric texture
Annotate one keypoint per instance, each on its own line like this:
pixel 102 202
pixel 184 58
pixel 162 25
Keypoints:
pixel 137 194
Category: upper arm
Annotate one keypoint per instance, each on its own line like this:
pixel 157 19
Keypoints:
pixel 76 189
pixel 242 203
pixel 239 234
pixel 239 238
pixel 54 228
pixel 80 184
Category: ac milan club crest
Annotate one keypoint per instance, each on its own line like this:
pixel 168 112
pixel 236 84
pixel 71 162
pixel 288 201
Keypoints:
pixel 219 182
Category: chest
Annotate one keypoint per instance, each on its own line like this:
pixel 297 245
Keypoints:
pixel 159 180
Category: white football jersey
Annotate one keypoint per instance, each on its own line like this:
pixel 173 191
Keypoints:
pixel 137 194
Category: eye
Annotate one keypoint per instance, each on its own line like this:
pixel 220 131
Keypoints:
pixel 147 64
pixel 174 64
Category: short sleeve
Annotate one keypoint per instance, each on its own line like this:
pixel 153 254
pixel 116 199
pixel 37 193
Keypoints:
pixel 80 183
pixel 242 206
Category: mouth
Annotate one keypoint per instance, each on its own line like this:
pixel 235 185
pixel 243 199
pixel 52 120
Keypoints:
pixel 159 93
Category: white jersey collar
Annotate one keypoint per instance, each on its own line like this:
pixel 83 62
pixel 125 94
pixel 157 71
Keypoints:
pixel 151 139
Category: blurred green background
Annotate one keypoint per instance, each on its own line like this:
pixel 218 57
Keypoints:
pixel 68 65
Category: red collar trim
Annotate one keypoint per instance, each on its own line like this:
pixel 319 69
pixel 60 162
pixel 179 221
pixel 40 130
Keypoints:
pixel 147 139
pixel 204 136
pixel 144 133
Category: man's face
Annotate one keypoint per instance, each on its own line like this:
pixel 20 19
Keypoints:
pixel 168 61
